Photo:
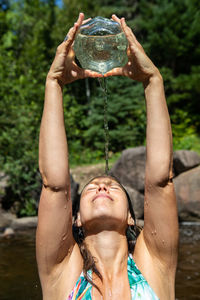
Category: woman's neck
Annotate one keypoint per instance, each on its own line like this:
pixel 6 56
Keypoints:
pixel 110 250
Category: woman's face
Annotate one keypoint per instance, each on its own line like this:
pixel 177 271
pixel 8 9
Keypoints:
pixel 103 204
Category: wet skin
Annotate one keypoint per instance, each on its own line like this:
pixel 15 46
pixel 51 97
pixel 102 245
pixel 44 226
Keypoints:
pixel 103 208
pixel 103 198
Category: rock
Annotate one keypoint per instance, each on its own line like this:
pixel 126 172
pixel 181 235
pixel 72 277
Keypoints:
pixel 137 200
pixel 83 174
pixel 130 168
pixel 6 219
pixel 3 184
pixel 24 223
pixel 187 187
pixel 8 233
pixel 185 160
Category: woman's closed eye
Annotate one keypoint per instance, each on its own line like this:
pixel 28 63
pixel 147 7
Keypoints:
pixel 91 188
pixel 115 187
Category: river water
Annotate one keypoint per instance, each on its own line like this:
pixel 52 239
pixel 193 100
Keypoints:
pixel 19 279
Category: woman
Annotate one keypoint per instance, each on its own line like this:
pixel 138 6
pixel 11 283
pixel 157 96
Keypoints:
pixel 104 215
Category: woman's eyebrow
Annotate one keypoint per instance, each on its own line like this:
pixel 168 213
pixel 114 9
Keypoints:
pixel 95 183
pixel 115 183
pixel 109 183
pixel 89 185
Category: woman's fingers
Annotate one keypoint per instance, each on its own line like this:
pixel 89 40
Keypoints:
pixel 125 28
pixel 80 19
pixel 72 32
pixel 114 72
pixel 116 19
pixel 85 21
pixel 134 45
pixel 89 73
pixel 80 73
pixel 128 32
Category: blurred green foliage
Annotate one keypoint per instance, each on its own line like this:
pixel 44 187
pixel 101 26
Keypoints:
pixel 29 34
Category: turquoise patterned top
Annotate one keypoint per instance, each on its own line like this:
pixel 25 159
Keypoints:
pixel 140 289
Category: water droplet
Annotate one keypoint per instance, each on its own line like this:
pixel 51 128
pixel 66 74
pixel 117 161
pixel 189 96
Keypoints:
pixel 192 261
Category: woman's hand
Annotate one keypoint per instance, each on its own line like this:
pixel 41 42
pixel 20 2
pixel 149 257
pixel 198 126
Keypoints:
pixel 64 69
pixel 139 66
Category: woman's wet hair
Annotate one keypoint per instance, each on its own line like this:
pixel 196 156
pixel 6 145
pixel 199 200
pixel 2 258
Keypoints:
pixel 132 232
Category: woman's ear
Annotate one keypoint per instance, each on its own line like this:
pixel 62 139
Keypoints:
pixel 78 220
pixel 131 222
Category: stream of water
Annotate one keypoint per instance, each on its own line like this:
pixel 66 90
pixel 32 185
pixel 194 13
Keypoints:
pixel 103 85
pixel 19 279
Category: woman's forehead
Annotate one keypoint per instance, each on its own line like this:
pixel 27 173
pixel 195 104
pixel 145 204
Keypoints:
pixel 106 180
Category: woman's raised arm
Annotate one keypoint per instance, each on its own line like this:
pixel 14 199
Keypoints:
pixel 160 235
pixel 54 240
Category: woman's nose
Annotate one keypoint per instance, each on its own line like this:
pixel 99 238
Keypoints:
pixel 102 187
